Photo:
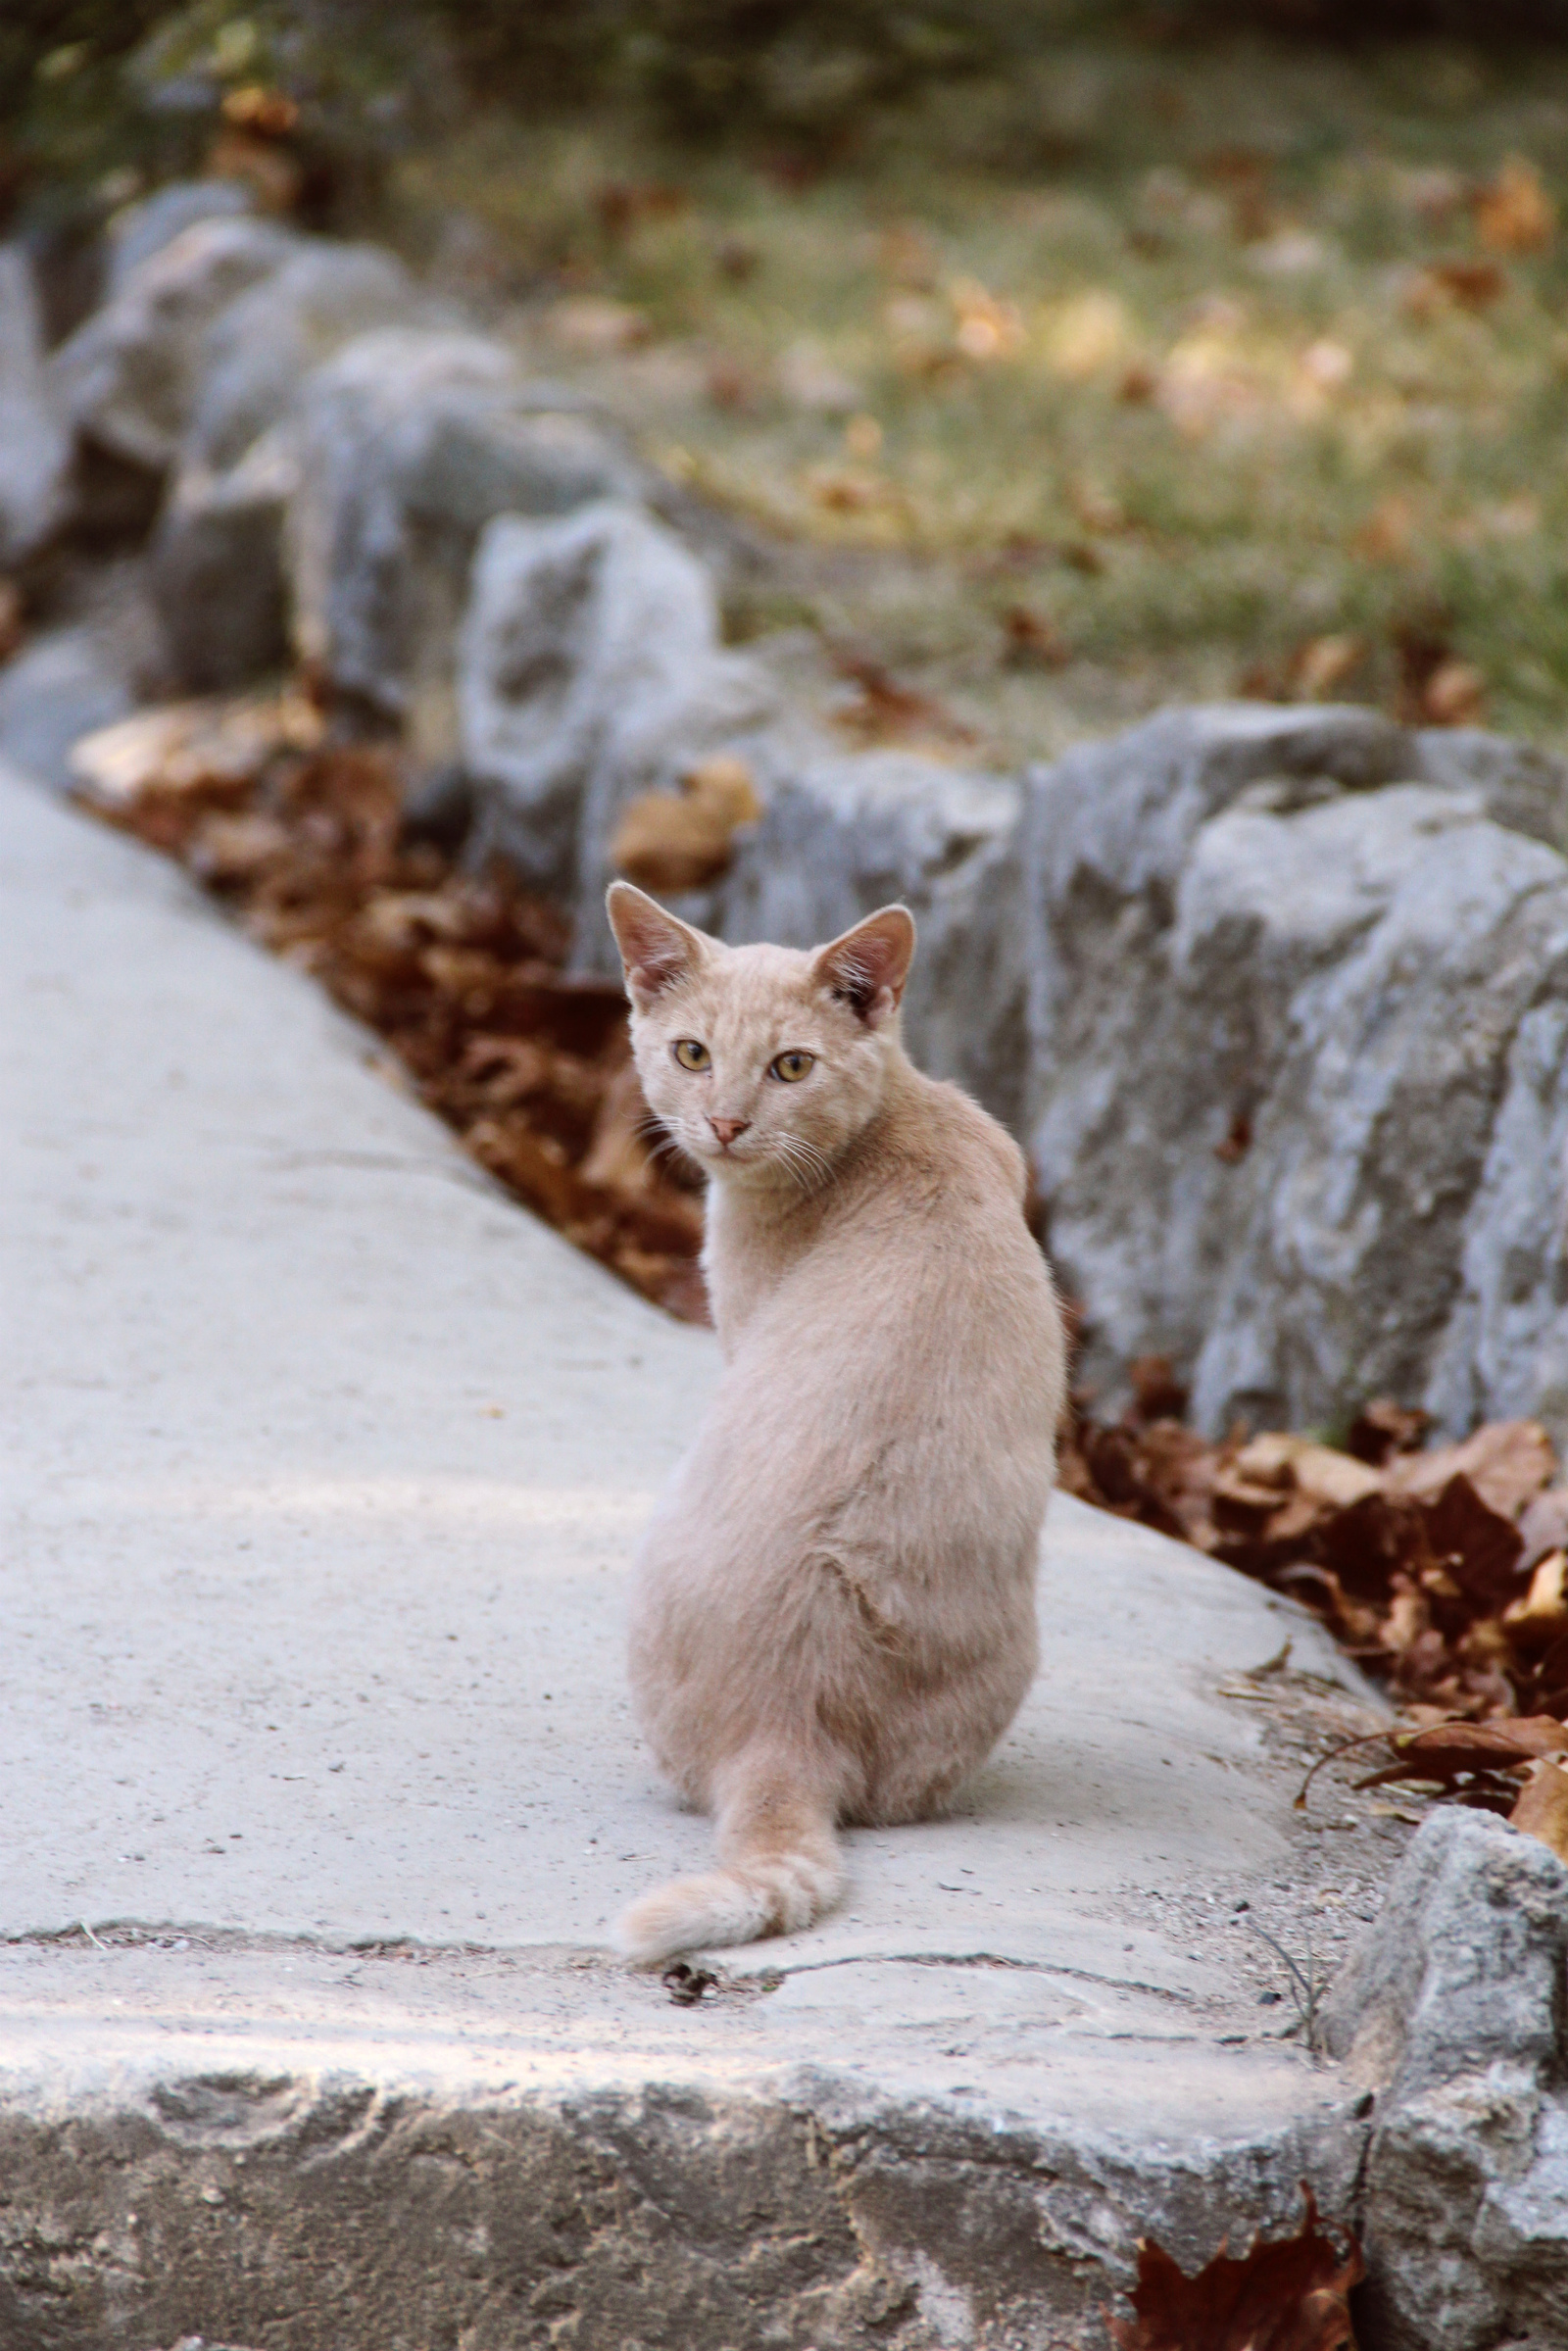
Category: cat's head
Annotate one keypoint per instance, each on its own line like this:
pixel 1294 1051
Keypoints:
pixel 761 1062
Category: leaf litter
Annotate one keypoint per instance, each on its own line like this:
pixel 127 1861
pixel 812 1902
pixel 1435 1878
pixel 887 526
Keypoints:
pixel 1443 1571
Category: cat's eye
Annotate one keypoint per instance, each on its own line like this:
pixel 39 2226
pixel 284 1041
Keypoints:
pixel 691 1054
pixel 792 1067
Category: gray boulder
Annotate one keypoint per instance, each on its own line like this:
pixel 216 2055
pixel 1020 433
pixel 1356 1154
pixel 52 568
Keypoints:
pixel 409 443
pixel 591 671
pixel 1296 1092
pixel 1523 787
pixel 1452 2014
pixel 128 378
pixel 261 347
pixel 216 568
pixel 845 833
pixel 139 230
pixel 34 441
pixel 62 685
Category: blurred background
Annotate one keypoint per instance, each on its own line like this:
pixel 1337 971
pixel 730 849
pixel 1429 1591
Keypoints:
pixel 1065 358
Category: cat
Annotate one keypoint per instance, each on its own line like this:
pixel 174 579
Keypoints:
pixel 834 1610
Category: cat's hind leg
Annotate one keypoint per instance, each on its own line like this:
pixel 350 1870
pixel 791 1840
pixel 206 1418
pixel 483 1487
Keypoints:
pixel 783 1868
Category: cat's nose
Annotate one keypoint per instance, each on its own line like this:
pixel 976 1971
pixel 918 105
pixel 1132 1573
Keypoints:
pixel 726 1129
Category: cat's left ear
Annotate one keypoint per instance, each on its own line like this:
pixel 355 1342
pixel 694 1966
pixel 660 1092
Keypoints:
pixel 656 948
pixel 866 967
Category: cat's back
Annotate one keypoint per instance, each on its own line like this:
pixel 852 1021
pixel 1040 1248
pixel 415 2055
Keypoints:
pixel 923 1271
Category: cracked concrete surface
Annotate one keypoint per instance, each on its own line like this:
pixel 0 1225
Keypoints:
pixel 321 1786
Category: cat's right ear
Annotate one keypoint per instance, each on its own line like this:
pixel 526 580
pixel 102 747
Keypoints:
pixel 655 950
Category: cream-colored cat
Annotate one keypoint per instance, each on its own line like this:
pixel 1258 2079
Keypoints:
pixel 835 1611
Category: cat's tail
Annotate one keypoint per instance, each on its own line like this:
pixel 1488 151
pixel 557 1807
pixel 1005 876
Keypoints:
pixel 782 1869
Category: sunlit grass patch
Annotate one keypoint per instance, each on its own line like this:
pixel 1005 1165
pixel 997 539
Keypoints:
pixel 1229 372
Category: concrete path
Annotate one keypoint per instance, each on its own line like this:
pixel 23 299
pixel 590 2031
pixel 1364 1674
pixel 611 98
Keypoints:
pixel 320 1787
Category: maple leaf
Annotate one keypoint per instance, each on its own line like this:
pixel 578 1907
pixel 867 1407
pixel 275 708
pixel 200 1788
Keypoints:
pixel 1287 2295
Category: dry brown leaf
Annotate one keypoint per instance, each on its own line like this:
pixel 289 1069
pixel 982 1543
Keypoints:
pixel 1384 1428
pixel 1454 695
pixel 884 711
pixel 1287 2295
pixel 591 326
pixel 1543 1808
pixel 1449 1752
pixel 1389 532
pixel 183 746
pixel 1477 1547
pixel 1034 641
pixel 1513 211
pixel 225 850
pixel 1508 1462
pixel 683 840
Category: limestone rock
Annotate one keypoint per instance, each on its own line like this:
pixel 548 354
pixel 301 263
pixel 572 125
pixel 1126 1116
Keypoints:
pixel 845 833
pixel 218 553
pixel 215 568
pixel 1296 1085
pixel 1523 787
pixel 259 349
pixel 34 444
pixel 1451 2014
pixel 139 230
pixel 592 673
pixel 129 374
pixel 59 686
pixel 409 442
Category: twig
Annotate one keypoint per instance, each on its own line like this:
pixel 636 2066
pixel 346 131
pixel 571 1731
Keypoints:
pixel 1303 1988
pixel 1368 1739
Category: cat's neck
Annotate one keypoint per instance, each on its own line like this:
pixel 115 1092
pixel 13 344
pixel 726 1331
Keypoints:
pixel 756 1232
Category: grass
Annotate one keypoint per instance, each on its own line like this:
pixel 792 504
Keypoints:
pixel 1148 376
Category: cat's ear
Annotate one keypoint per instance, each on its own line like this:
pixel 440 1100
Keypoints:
pixel 866 967
pixel 655 950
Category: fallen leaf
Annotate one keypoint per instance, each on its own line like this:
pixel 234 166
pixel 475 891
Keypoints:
pixel 1478 1546
pixel 1389 532
pixel 884 711
pixel 225 850
pixel 1508 1462
pixel 624 204
pixel 1034 641
pixel 683 840
pixel 266 113
pixel 591 326
pixel 1513 211
pixel 1287 2295
pixel 1474 285
pixel 1455 694
pixel 1543 1808
pixel 1449 1752
pixel 1159 1395
pixel 1323 664
pixel 1384 1428
pixel 988 326
pixel 184 746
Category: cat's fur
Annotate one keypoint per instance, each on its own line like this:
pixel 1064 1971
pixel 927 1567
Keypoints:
pixel 835 1609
